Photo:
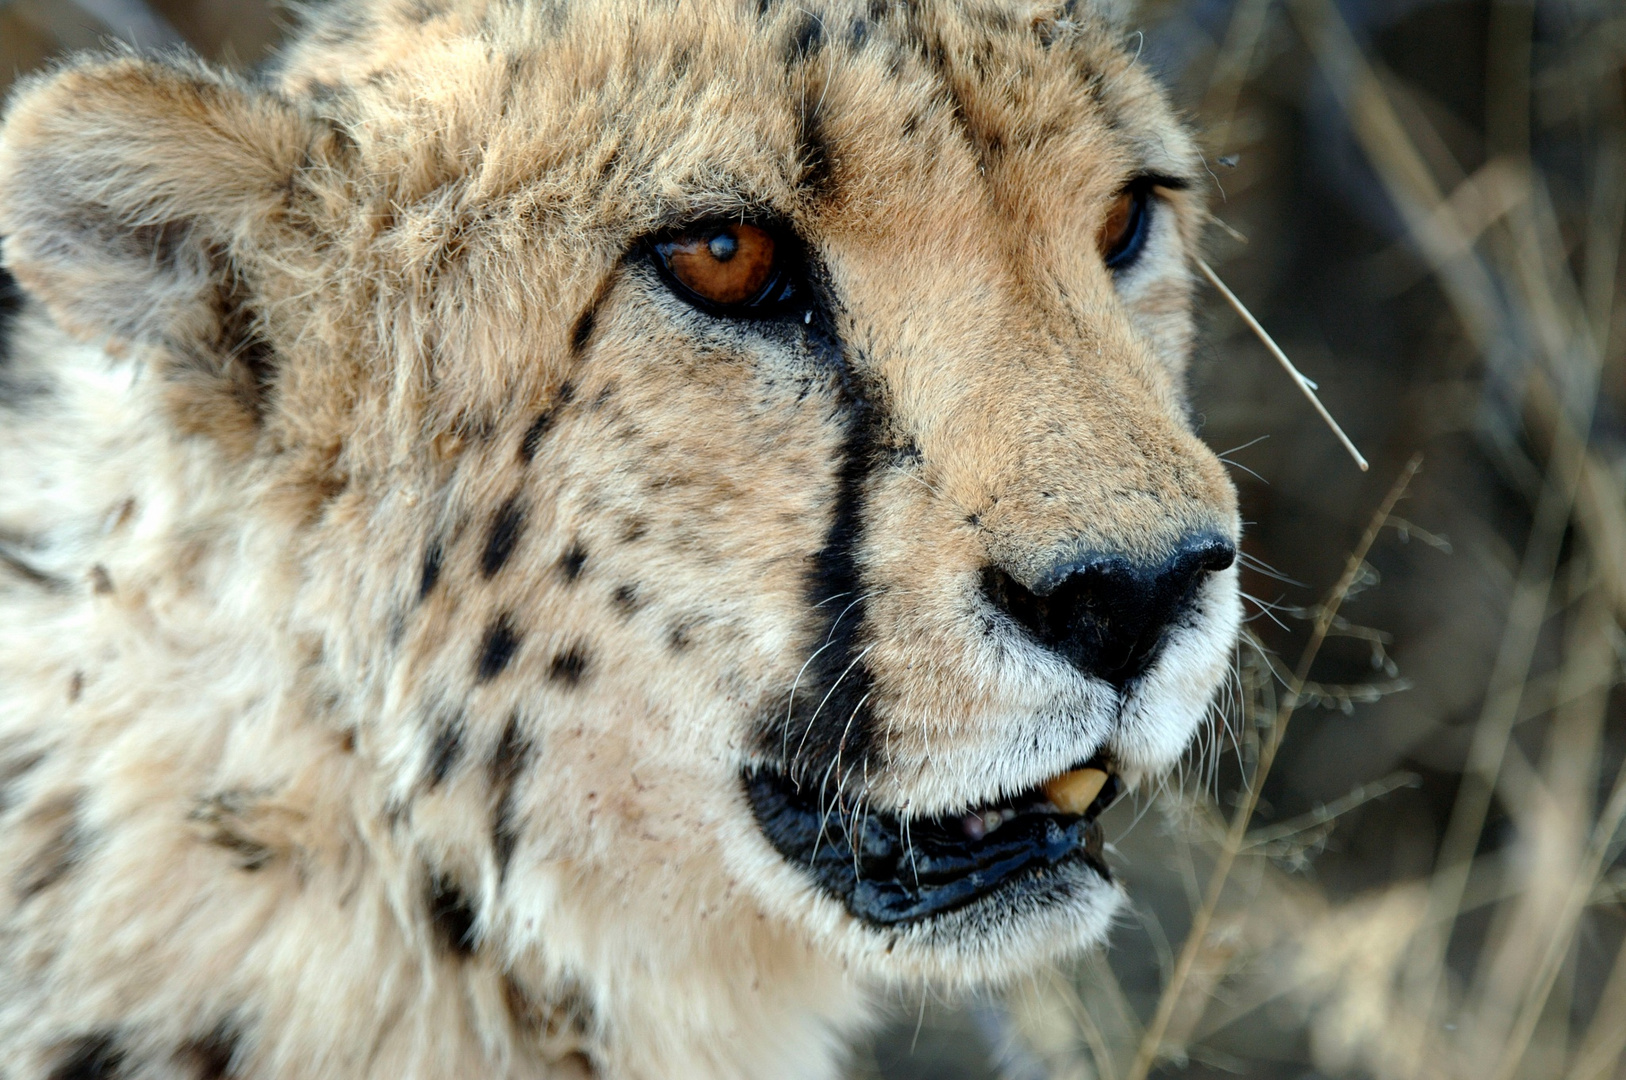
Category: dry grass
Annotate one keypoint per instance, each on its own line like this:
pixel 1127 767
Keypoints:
pixel 1351 880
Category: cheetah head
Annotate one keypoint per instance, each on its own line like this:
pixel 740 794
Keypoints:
pixel 727 470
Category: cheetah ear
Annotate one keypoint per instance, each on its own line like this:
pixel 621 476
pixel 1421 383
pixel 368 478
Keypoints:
pixel 132 192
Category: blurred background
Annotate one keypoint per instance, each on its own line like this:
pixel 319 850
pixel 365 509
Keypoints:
pixel 1398 853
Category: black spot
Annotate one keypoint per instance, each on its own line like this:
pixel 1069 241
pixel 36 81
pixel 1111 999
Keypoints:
pixel 444 752
pixel 811 148
pixel 807 40
pixel 625 600
pixel 209 1057
pixel 544 421
pixel 507 763
pixel 30 573
pixel 678 637
pixel 54 858
pixel 421 11
pixel 582 333
pixel 223 819
pixel 451 914
pixel 681 61
pixel 534 435
pixel 11 301
pixel 91 1057
pixel 570 666
pixel 509 757
pixel 431 569
pixel 506 526
pixel 997 20
pixel 501 642
pixel 566 1009
pixel 572 562
pixel 16 761
pixel 907 454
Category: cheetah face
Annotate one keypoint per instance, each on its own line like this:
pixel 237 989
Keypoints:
pixel 1011 560
pixel 735 464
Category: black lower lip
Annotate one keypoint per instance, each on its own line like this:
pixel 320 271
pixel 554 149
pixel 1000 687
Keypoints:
pixel 890 874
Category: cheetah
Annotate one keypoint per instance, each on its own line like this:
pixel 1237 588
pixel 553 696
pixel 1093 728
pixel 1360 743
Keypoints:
pixel 563 538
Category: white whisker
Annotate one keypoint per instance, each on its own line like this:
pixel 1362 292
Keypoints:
pixel 814 718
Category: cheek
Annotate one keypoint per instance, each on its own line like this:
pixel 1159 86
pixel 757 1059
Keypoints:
pixel 710 487
pixel 1160 308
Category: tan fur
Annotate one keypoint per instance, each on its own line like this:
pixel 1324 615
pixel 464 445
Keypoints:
pixel 286 341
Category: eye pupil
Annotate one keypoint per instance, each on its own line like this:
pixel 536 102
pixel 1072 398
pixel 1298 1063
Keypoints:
pixel 723 246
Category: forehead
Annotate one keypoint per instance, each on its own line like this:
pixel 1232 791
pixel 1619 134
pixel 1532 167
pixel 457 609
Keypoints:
pixel 631 115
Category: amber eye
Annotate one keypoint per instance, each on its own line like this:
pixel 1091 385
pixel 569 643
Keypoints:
pixel 725 264
pixel 1123 232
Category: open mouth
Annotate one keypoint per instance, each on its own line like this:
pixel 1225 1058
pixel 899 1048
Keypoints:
pixel 889 870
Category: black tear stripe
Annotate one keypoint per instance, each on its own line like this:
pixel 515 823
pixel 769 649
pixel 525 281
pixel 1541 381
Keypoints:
pixel 828 717
pixel 91 1057
pixel 508 762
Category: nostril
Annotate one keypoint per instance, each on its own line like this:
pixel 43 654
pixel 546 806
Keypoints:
pixel 1106 613
pixel 1210 553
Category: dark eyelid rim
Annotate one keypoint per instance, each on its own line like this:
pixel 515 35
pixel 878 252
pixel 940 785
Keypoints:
pixel 1142 187
pixel 1146 181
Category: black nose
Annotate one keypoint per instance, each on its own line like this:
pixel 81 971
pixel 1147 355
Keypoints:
pixel 1108 614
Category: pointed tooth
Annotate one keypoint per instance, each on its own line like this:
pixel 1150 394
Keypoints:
pixel 1073 792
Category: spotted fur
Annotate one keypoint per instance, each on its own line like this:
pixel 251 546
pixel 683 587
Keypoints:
pixel 398 579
